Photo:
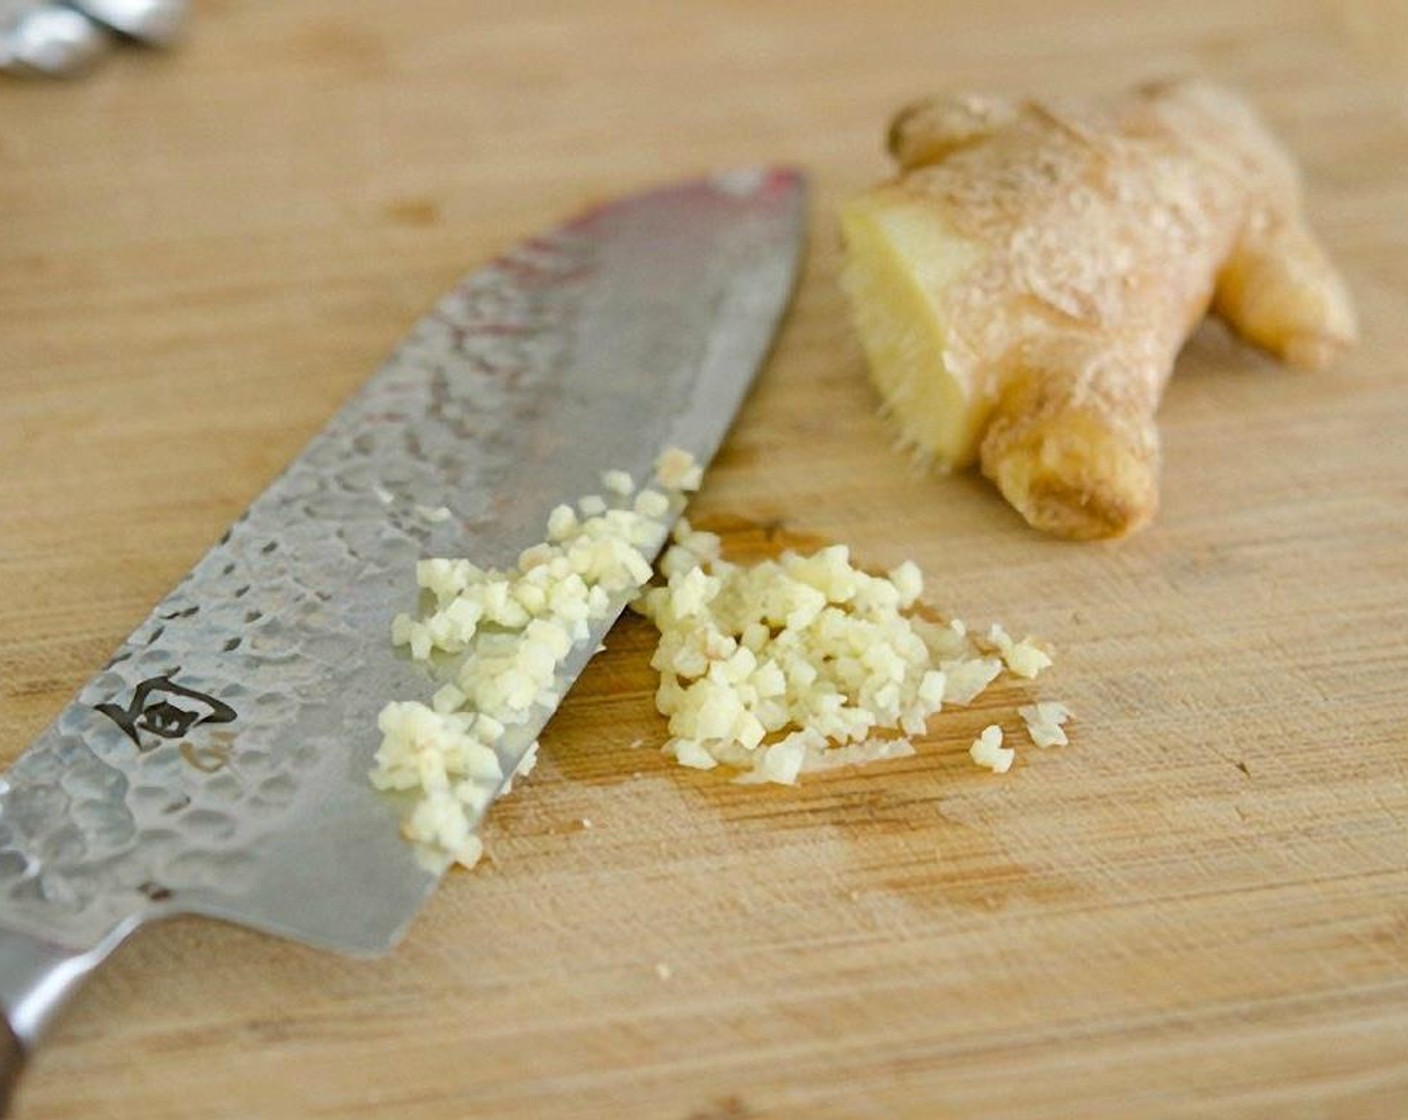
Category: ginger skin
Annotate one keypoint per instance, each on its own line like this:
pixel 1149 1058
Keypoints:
pixel 1023 288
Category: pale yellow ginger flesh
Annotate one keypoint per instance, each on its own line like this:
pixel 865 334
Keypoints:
pixel 509 632
pixel 1023 287
pixel 806 663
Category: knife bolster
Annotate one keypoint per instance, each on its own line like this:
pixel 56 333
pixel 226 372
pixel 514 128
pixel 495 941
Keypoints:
pixel 37 977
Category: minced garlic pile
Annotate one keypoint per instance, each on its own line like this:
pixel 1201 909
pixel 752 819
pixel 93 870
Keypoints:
pixel 806 662
pixel 510 631
pixel 777 669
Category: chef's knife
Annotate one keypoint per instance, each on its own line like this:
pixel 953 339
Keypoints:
pixel 218 764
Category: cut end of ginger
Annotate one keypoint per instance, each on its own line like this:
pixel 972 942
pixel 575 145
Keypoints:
pixel 901 257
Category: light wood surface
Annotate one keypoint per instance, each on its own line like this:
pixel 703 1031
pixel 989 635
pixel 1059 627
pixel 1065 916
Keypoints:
pixel 1199 908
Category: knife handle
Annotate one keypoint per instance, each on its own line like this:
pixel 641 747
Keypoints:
pixel 36 978
pixel 11 1062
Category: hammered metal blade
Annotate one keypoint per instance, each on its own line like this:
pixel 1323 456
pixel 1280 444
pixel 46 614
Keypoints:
pixel 218 764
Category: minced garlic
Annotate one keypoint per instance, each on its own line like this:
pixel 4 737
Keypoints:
pixel 805 662
pixel 781 668
pixel 1044 722
pixel 987 750
pixel 1024 658
pixel 510 631
pixel 677 470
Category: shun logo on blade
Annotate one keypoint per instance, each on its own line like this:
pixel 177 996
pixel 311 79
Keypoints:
pixel 161 710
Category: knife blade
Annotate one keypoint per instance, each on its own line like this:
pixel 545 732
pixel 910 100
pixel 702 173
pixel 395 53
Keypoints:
pixel 217 765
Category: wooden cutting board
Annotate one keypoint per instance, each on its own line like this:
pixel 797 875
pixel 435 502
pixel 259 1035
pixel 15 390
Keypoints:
pixel 1198 908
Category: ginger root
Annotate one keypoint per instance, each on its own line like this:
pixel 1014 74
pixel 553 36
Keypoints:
pixel 1023 287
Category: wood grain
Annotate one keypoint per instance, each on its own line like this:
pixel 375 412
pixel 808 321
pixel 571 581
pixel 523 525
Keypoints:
pixel 1200 908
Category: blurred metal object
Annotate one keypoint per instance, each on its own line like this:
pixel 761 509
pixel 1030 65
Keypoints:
pixel 50 38
pixel 155 22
